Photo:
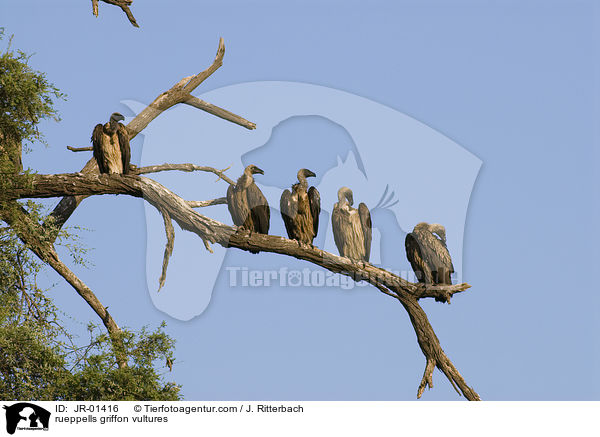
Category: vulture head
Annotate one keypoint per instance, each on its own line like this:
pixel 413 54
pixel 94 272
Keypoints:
pixel 345 193
pixel 439 230
pixel 252 169
pixel 116 117
pixel 434 228
pixel 304 173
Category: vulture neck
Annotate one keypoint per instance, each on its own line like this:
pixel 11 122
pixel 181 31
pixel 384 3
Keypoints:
pixel 302 181
pixel 343 199
pixel 245 180
pixel 113 125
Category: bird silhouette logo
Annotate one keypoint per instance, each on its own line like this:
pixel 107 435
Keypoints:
pixel 403 170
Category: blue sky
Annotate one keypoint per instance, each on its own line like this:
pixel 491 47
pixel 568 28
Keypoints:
pixel 514 83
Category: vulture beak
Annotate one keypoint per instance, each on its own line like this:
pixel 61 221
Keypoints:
pixel 309 174
pixel 118 117
pixel 257 170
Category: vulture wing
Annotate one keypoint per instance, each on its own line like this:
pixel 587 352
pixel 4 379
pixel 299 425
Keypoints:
pixel 123 136
pixel 367 227
pixel 237 205
pixel 413 253
pixel 97 137
pixel 437 265
pixel 289 209
pixel 259 209
pixel 314 199
pixel 337 217
pixel 441 262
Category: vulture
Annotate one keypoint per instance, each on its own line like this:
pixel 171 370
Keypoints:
pixel 351 227
pixel 247 204
pixel 300 209
pixel 111 146
pixel 428 255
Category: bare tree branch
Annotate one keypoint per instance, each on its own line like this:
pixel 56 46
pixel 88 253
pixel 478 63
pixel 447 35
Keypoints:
pixel 219 112
pixel 170 232
pixel 212 231
pixel 178 93
pixel 184 167
pixel 123 4
pixel 203 203
pixel 80 149
pixel 427 377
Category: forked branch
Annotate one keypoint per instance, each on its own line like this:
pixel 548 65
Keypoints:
pixel 123 4
pixel 178 93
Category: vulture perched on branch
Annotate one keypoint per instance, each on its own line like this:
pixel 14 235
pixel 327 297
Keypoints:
pixel 352 227
pixel 428 255
pixel 111 146
pixel 300 209
pixel 247 204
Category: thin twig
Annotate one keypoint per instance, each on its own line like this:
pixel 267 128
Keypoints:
pixel 184 167
pixel 203 203
pixel 80 149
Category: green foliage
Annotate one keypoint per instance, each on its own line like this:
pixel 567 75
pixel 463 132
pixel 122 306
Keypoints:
pixel 26 97
pixel 100 379
pixel 40 360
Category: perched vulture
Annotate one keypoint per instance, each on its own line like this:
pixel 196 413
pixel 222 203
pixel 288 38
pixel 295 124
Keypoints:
pixel 300 209
pixel 428 255
pixel 247 204
pixel 351 227
pixel 111 146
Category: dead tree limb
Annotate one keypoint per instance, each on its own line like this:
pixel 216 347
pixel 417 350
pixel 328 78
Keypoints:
pixel 80 149
pixel 170 233
pixel 31 233
pixel 203 203
pixel 123 4
pixel 184 167
pixel 212 231
pixel 178 93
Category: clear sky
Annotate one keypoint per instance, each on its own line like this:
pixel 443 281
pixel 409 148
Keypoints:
pixel 514 83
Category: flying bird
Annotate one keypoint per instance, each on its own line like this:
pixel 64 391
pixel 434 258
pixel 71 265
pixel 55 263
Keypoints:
pixel 428 255
pixel 300 209
pixel 111 146
pixel 247 204
pixel 352 228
